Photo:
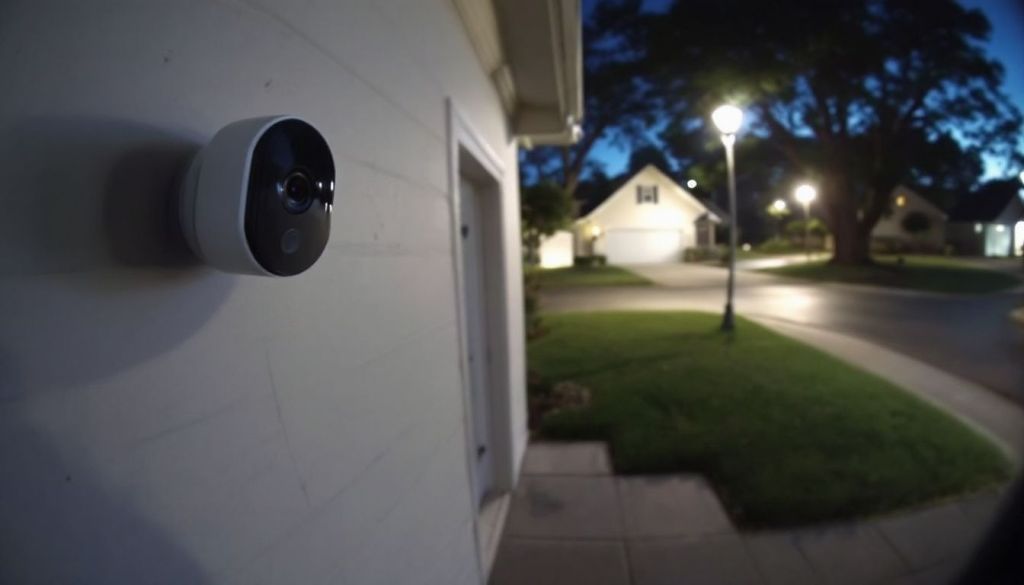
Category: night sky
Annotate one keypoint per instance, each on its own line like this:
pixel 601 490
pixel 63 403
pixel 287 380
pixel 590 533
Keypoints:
pixel 1006 45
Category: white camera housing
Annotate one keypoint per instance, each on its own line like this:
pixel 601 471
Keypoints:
pixel 257 199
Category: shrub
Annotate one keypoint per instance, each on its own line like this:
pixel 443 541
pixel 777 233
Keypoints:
pixel 705 254
pixel 777 246
pixel 589 261
pixel 531 304
pixel 915 223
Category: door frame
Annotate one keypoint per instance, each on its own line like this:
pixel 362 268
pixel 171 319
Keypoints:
pixel 470 156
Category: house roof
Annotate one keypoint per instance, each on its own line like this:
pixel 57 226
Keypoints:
pixel 591 201
pixel 989 203
pixel 533 52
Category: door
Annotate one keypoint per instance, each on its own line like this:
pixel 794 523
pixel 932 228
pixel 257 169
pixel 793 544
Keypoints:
pixel 627 246
pixel 474 288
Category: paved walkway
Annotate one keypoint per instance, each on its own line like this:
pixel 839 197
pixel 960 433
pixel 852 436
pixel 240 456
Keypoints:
pixel 572 522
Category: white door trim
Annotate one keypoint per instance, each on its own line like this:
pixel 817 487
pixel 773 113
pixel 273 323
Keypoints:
pixel 469 155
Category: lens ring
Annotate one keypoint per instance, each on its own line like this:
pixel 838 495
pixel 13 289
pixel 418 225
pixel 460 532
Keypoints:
pixel 297 192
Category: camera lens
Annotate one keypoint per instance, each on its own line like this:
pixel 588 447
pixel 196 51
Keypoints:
pixel 297 192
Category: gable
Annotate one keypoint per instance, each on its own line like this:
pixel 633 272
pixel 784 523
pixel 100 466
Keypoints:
pixel 675 206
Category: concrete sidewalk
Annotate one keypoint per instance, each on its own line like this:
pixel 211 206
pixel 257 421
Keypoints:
pixel 572 522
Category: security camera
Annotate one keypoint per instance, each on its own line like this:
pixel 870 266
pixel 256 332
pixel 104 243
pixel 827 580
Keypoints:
pixel 257 199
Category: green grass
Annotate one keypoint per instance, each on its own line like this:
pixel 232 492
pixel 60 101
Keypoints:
pixel 588 276
pixel 929 273
pixel 787 434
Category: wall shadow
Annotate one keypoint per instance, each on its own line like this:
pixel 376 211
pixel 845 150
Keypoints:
pixel 95 276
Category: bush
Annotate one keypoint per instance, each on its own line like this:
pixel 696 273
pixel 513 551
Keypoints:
pixel 777 246
pixel 915 223
pixel 531 304
pixel 705 254
pixel 589 261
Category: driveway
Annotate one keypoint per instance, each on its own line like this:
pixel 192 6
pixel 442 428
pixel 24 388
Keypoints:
pixel 969 336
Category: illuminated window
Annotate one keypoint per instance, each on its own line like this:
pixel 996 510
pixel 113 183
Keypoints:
pixel 901 201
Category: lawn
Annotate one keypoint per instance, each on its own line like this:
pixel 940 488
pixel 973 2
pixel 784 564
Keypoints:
pixel 588 276
pixel 930 273
pixel 787 434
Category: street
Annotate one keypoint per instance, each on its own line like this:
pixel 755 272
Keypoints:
pixel 968 336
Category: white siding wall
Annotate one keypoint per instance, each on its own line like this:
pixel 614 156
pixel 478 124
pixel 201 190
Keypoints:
pixel 556 251
pixel 891 226
pixel 675 208
pixel 163 422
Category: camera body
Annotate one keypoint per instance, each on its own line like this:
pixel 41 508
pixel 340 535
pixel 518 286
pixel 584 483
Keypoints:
pixel 257 199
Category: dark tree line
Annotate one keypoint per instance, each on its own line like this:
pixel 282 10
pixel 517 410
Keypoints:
pixel 858 96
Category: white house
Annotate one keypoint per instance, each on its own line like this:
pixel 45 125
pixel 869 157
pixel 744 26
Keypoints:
pixel 648 219
pixel 163 422
pixel 990 221
pixel 889 232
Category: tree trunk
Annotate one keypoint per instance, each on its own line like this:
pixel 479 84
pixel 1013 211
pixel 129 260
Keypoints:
pixel 852 242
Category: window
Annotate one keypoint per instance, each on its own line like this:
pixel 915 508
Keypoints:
pixel 646 194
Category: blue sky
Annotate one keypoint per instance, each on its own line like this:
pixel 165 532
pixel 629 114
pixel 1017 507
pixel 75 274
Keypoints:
pixel 1006 44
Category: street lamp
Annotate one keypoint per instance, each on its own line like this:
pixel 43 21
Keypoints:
pixel 691 184
pixel 805 194
pixel 728 119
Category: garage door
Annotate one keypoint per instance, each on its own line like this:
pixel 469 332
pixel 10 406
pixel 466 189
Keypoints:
pixel 643 246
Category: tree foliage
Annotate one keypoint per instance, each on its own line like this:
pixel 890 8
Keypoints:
pixel 618 102
pixel 859 96
pixel 546 208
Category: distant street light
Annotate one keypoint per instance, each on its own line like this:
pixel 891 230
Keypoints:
pixel 728 120
pixel 779 206
pixel 805 194
pixel 691 184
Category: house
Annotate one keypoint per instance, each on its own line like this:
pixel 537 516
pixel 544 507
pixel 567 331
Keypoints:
pixel 648 218
pixel 890 232
pixel 164 422
pixel 990 221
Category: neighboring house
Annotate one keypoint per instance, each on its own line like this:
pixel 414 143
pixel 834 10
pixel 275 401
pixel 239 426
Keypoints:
pixel 646 219
pixel 891 234
pixel 362 422
pixel 990 221
pixel 556 250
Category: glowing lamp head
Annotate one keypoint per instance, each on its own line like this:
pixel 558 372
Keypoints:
pixel 691 184
pixel 805 194
pixel 727 119
pixel 779 205
pixel 595 231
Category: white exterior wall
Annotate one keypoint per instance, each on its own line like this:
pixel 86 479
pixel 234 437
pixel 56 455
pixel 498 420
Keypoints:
pixel 891 226
pixel 166 423
pixel 556 251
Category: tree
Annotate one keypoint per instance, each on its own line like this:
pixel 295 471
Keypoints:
pixel 915 223
pixel 617 101
pixel 858 96
pixel 546 208
pixel 648 154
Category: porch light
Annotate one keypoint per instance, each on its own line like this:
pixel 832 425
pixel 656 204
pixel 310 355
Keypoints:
pixel 595 231
pixel 691 184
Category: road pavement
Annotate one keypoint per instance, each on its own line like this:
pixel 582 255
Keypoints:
pixel 968 336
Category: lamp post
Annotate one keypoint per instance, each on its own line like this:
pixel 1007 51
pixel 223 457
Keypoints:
pixel 728 119
pixel 805 194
